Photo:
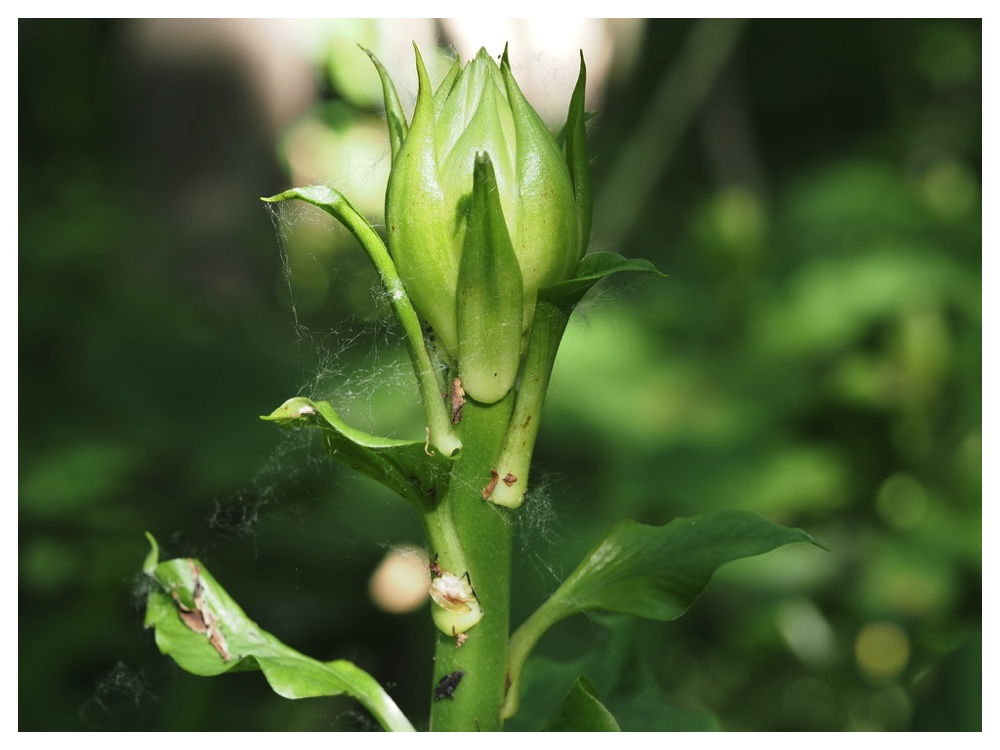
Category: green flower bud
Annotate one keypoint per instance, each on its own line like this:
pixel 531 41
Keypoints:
pixel 482 212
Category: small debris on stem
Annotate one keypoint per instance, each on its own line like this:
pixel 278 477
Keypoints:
pixel 488 489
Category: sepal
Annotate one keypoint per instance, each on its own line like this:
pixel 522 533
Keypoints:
pixel 489 305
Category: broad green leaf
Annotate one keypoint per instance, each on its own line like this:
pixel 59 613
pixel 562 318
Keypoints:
pixel 404 466
pixel 581 711
pixel 592 268
pixel 658 571
pixel 200 627
pixel 650 571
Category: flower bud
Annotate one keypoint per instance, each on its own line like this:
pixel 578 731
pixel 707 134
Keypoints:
pixel 481 213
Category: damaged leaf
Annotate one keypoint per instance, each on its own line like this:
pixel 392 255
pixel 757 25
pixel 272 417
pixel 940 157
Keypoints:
pixel 200 627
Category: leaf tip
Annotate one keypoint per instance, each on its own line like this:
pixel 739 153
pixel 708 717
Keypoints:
pixel 293 409
pixel 153 558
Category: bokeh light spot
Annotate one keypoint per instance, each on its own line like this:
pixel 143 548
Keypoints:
pixel 882 649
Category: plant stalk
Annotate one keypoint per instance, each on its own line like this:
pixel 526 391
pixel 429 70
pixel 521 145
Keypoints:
pixel 484 531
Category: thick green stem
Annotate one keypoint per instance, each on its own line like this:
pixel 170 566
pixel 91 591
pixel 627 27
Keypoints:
pixel 485 532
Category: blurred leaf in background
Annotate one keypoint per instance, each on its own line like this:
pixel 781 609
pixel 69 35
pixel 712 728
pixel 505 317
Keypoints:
pixel 813 189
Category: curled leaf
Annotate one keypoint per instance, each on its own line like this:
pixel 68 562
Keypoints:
pixel 200 627
pixel 404 466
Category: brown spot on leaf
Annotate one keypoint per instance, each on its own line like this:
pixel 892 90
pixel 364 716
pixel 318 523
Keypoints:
pixel 199 617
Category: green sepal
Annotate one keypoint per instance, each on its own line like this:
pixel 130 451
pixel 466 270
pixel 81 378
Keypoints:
pixel 546 240
pixel 582 711
pixel 578 157
pixel 592 268
pixel 489 302
pixel 395 118
pixel 404 466
pixel 201 628
pixel 419 221
pixel 655 572
pixel 445 87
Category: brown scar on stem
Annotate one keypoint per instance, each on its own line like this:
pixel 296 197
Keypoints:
pixel 510 479
pixel 200 619
pixel 453 593
pixel 457 400
pixel 488 489
pixel 460 639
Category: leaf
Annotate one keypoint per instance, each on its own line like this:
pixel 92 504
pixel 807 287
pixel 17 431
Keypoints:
pixel 441 433
pixel 581 711
pixel 649 571
pixel 200 627
pixel 619 665
pixel 404 466
pixel 658 571
pixel 593 267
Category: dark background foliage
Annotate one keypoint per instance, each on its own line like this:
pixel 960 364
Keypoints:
pixel 815 356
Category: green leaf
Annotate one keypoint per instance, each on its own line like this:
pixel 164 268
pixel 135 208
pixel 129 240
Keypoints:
pixel 619 665
pixel 592 268
pixel 650 571
pixel 658 571
pixel 200 627
pixel 441 432
pixel 404 466
pixel 490 291
pixel 581 711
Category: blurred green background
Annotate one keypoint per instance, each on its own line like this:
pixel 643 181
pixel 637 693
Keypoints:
pixel 811 188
